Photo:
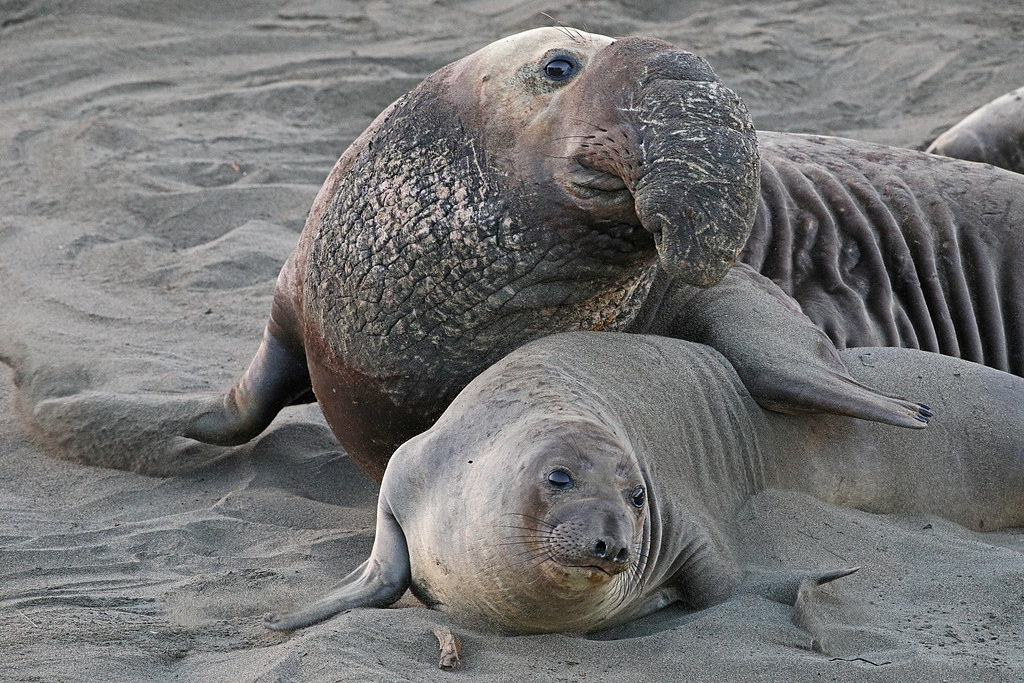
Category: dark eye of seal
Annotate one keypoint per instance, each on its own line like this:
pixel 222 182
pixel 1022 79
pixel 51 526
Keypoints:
pixel 560 68
pixel 560 479
pixel 638 497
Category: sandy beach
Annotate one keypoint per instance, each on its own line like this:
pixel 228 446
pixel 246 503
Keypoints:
pixel 157 161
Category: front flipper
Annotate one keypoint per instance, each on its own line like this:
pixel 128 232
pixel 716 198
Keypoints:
pixel 377 582
pixel 787 364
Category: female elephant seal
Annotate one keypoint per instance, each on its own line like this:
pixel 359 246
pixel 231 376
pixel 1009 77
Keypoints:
pixel 588 479
pixel 556 182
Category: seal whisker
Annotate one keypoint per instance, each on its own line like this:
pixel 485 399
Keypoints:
pixel 528 553
pixel 571 137
pixel 522 567
pixel 523 543
pixel 529 541
pixel 533 561
pixel 556 522
pixel 620 593
pixel 538 523
pixel 631 582
pixel 514 538
pixel 636 572
pixel 542 526
pixel 529 547
pixel 571 33
pixel 525 556
pixel 529 530
pixel 589 123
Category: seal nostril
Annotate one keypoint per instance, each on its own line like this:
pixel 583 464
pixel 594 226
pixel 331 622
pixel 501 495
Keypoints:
pixel 622 556
pixel 600 549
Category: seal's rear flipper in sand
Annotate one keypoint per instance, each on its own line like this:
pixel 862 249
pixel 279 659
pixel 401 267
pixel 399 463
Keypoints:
pixel 785 586
pixel 378 582
pixel 277 376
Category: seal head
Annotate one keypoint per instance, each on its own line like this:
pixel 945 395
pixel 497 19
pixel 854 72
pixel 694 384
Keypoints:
pixel 568 513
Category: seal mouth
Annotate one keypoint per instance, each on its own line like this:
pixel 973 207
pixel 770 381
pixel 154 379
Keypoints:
pixel 596 570
pixel 605 190
pixel 584 576
pixel 594 186
pixel 615 231
pixel 590 184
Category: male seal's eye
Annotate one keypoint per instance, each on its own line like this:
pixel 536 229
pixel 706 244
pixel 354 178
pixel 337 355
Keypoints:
pixel 560 68
pixel 560 479
pixel 638 497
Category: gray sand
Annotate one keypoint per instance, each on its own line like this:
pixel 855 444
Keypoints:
pixel 156 163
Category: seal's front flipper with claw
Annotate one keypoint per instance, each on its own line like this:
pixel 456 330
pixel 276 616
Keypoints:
pixel 378 582
pixel 786 363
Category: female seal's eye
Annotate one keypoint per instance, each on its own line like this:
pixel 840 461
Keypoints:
pixel 560 479
pixel 638 497
pixel 560 68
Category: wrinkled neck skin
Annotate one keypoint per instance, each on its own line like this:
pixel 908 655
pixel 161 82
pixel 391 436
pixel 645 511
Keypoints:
pixel 482 554
pixel 430 265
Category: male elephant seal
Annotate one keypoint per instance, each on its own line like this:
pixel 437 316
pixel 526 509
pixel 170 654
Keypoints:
pixel 883 246
pixel 567 181
pixel 588 479
pixel 993 134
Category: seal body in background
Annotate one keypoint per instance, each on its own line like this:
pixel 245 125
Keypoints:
pixel 992 134
pixel 589 479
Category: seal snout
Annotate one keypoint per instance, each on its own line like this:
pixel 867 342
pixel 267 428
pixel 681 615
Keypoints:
pixel 609 550
pixel 667 147
pixel 594 535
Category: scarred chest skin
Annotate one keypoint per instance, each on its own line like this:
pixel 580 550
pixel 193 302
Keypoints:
pixel 426 266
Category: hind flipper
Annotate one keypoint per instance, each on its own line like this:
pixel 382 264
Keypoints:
pixel 784 586
pixel 274 379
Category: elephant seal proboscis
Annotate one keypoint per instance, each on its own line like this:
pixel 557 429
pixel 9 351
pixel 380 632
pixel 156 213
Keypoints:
pixel 568 181
pixel 589 479
pixel 992 134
